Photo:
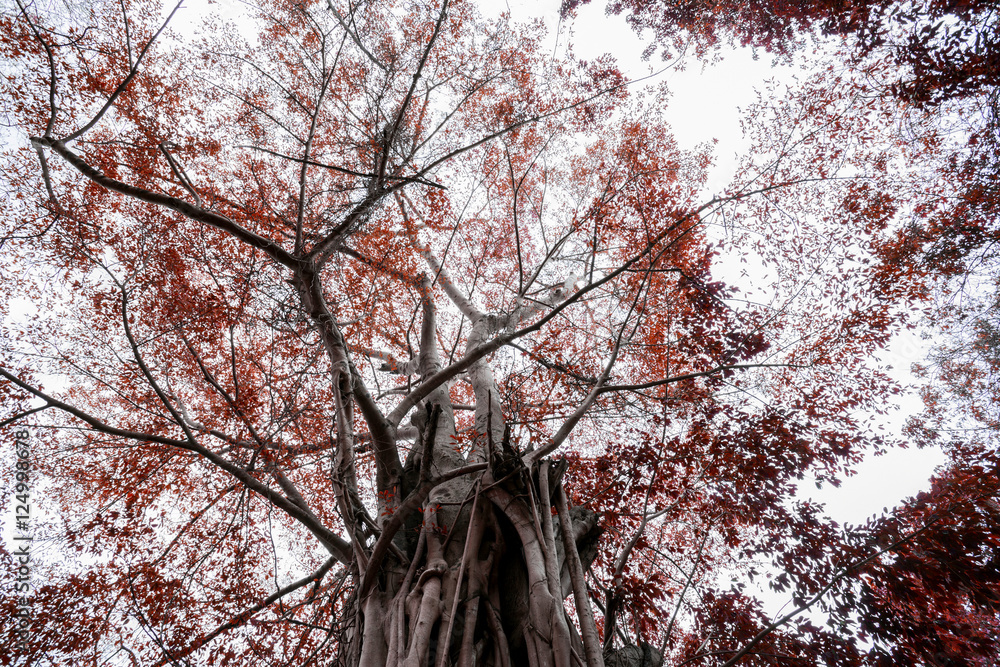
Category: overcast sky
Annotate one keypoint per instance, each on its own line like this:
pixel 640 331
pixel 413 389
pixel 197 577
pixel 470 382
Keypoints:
pixel 705 105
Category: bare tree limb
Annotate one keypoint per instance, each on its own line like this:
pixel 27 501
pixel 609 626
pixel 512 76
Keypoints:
pixel 337 546
pixel 133 70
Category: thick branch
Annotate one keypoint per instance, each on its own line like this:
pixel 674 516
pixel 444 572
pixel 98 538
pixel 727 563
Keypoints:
pixel 588 627
pixel 474 355
pixel 272 249
pixel 395 522
pixel 388 465
pixel 22 415
pixel 337 546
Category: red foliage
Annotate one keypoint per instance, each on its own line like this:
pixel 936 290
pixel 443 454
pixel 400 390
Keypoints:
pixel 258 267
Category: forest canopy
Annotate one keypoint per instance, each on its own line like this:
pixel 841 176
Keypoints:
pixel 385 334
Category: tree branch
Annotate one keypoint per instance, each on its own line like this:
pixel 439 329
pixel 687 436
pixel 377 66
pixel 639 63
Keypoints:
pixel 124 84
pixel 337 546
pixel 243 617
pixel 196 213
pixel 344 170
pixel 691 376
pixel 823 591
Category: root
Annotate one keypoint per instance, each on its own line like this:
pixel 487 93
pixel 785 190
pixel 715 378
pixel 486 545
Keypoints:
pixel 497 603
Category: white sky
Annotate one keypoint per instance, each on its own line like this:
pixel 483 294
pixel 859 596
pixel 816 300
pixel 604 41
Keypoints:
pixel 705 105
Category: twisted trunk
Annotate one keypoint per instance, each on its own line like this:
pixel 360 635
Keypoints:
pixel 480 580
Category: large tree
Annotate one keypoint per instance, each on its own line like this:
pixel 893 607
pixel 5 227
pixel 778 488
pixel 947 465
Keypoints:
pixel 374 334
pixel 908 98
pixel 939 60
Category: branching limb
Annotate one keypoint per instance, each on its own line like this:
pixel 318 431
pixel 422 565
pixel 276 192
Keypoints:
pixel 337 546
pixel 181 175
pixel 137 356
pixel 390 364
pixel 584 612
pixel 46 176
pixel 577 415
pixel 381 190
pixel 198 214
pixel 441 275
pixel 486 348
pixel 354 36
pixel 388 466
pixel 124 84
pixel 554 366
pixel 687 584
pixel 382 267
pixel 343 473
pixel 53 82
pixel 397 122
pixel 344 170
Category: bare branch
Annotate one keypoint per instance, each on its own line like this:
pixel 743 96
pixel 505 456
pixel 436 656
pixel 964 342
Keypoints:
pixel 344 170
pixel 397 121
pixel 133 70
pixel 337 546
pixel 53 79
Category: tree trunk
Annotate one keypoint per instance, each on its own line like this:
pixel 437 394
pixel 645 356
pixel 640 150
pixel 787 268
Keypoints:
pixel 482 579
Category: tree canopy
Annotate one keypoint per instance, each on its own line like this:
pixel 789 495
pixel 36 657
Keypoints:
pixel 381 334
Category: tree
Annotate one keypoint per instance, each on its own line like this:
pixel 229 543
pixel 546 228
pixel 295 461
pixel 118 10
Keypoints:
pixel 317 306
pixel 932 159
pixel 936 57
pixel 940 49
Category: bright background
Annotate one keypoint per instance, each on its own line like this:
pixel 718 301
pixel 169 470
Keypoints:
pixel 705 105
